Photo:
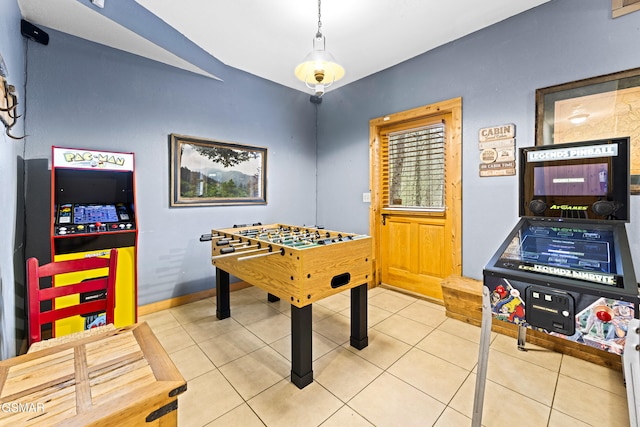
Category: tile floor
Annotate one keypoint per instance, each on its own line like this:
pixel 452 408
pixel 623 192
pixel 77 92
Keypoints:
pixel 418 370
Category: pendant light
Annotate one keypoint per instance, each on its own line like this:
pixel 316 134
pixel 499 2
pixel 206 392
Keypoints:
pixel 319 69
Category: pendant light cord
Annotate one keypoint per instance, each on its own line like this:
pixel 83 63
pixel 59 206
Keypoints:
pixel 319 33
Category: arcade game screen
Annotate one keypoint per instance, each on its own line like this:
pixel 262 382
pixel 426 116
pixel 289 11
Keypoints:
pixel 580 253
pixel 86 214
pixel 571 180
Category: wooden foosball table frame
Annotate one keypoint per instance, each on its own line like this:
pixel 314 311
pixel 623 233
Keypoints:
pixel 300 265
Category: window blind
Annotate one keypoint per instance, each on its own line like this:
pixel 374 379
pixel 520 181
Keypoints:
pixel 414 168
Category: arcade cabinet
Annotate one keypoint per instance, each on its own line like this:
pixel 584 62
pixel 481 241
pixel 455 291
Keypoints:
pixel 566 267
pixel 93 211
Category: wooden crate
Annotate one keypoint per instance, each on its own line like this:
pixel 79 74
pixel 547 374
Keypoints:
pixel 463 301
pixel 118 377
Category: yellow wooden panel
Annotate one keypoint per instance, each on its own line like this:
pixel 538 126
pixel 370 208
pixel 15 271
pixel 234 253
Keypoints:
pixel 430 249
pixel 399 245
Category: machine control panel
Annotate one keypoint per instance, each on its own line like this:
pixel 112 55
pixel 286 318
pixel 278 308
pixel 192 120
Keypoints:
pixel 87 218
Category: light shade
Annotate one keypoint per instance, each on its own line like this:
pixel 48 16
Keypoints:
pixel 319 67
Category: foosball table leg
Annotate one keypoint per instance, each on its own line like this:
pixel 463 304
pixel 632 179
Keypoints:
pixel 223 309
pixel 272 298
pixel 301 358
pixel 359 338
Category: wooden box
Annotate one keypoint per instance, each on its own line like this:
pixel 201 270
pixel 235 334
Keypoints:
pixel 115 378
pixel 301 275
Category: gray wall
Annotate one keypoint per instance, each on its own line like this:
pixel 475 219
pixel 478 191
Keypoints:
pixel 84 95
pixel 496 71
pixel 11 188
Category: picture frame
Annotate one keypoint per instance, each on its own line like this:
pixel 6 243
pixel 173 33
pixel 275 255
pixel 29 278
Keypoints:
pixel 206 172
pixel 595 108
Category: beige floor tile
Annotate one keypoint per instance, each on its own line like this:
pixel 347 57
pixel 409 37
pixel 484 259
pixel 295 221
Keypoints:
pixel 242 416
pixel 337 302
pixel 389 401
pixel 433 305
pixel 160 320
pixel 462 330
pixel 558 419
pixel 391 301
pixel 453 418
pixel 251 313
pixel 375 315
pixel 344 373
pixel 413 390
pixel 530 380
pixel 424 314
pixel 500 404
pixel 257 371
pixel 319 312
pixel 320 346
pixel 272 328
pixel 337 328
pixel 284 405
pixel 226 348
pixel 535 354
pixel 240 298
pixel 451 348
pixel 207 397
pixel 404 329
pixel 254 291
pixel 174 339
pixel 383 350
pixel 192 362
pixel 346 417
pixel 210 327
pixel 430 374
pixel 596 375
pixel 194 311
pixel 589 403
pixel 375 291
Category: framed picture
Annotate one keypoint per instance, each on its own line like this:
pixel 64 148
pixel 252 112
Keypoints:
pixel 600 107
pixel 208 173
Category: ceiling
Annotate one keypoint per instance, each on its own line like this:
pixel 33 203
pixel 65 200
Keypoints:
pixel 269 38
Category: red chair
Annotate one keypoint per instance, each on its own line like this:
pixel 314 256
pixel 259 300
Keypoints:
pixel 35 272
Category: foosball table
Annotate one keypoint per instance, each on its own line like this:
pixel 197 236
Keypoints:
pixel 300 265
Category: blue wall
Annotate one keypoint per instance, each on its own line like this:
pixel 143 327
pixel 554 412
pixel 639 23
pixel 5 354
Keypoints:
pixel 85 95
pixel 496 71
pixel 11 187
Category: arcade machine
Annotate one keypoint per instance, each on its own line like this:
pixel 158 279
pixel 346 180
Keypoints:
pixel 93 211
pixel 566 267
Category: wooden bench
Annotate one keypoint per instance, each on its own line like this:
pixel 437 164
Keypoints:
pixel 463 301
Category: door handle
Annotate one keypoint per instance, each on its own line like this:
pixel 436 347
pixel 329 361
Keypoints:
pixel 384 219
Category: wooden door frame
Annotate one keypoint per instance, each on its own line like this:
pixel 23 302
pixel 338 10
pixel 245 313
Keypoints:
pixel 453 175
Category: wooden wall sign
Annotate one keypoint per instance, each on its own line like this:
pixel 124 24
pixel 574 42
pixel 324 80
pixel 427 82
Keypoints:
pixel 497 150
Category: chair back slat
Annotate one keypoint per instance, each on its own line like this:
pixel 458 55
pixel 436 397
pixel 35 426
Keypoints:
pixel 99 281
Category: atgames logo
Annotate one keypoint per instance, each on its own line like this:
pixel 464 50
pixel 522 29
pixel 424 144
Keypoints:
pixel 569 207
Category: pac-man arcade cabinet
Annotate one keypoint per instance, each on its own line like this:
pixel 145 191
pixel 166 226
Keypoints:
pixel 93 196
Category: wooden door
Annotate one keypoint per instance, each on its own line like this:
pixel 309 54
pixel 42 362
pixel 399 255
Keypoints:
pixel 417 243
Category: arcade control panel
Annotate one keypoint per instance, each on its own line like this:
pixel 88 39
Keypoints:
pixel 83 218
